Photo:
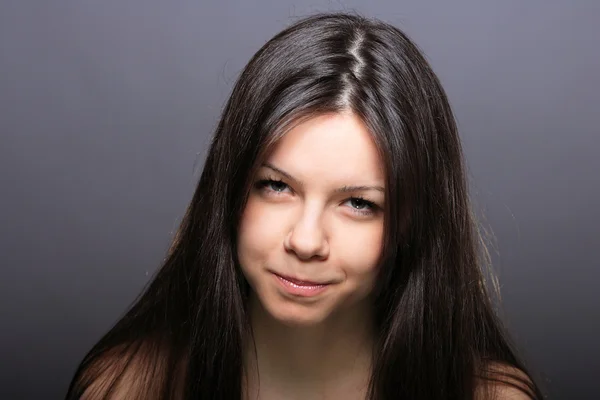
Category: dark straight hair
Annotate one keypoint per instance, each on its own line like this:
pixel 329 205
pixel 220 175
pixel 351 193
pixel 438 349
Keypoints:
pixel 437 332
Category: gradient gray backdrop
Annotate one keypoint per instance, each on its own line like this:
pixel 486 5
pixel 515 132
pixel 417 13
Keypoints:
pixel 106 109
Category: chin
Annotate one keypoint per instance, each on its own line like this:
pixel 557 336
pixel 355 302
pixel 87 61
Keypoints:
pixel 298 321
pixel 296 315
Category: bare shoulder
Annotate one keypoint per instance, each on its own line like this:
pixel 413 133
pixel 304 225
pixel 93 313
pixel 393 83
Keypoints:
pixel 143 371
pixel 503 382
pixel 114 376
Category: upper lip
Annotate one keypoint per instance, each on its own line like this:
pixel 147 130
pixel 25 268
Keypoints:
pixel 299 281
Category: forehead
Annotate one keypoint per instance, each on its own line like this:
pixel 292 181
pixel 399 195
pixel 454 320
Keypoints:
pixel 331 145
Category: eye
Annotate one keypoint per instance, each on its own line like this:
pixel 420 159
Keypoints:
pixel 272 185
pixel 362 206
pixel 358 205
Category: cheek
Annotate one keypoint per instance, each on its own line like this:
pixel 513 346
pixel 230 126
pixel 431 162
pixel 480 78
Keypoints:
pixel 361 248
pixel 257 235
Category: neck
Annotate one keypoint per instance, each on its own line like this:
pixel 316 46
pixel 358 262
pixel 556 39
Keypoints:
pixel 330 360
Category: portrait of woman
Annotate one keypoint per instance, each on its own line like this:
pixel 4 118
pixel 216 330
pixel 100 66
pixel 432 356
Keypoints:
pixel 330 250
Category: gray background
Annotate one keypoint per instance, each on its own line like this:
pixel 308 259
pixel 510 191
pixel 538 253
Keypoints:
pixel 106 108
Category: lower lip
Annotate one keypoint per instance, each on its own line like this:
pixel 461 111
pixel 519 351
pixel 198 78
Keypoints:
pixel 300 290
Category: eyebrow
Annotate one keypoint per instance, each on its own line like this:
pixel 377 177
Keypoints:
pixel 344 189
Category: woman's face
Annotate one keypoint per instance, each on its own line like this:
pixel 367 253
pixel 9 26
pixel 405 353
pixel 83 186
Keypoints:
pixel 311 234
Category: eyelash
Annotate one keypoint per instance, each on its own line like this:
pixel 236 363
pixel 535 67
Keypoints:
pixel 372 207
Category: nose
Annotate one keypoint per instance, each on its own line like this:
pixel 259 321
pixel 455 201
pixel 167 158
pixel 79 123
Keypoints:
pixel 307 238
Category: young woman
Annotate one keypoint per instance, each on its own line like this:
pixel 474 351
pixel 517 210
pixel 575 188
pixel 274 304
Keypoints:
pixel 329 251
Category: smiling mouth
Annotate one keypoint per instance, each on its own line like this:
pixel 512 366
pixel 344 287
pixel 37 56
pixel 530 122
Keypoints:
pixel 299 282
pixel 300 288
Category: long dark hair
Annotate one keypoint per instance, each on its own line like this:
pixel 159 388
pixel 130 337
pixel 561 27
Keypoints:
pixel 438 334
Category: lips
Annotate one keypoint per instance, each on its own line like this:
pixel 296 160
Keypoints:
pixel 301 282
pixel 299 288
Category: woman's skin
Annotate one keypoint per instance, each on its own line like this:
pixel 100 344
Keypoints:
pixel 320 346
pixel 304 227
